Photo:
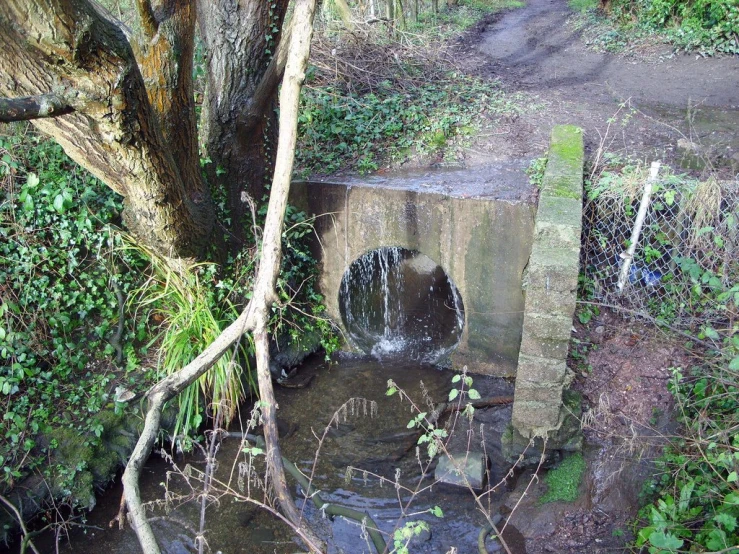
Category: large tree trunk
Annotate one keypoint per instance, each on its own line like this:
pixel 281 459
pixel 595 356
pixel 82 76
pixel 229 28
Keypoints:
pixel 254 317
pixel 239 123
pixel 165 56
pixel 73 49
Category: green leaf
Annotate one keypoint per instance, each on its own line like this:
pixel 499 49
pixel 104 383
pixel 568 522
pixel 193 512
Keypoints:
pixel 28 204
pixel 391 391
pixel 456 378
pixel 685 493
pixel 473 394
pixel 453 394
pixel 734 364
pixel 716 540
pixel 727 521
pixel 668 541
pixel 59 203
pixel 436 511
pixel 32 180
pixel 732 477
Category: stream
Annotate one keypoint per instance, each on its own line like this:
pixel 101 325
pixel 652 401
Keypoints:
pixel 369 432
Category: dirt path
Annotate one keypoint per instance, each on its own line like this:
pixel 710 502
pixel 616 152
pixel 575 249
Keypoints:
pixel 537 50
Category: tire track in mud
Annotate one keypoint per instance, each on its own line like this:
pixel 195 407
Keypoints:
pixel 537 50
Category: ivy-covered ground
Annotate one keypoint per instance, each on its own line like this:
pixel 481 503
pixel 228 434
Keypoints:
pixel 88 321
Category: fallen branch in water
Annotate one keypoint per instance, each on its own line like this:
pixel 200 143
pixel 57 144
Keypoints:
pixel 482 403
pixel 253 318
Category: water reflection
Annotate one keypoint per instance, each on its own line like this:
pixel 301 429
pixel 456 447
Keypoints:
pixel 370 433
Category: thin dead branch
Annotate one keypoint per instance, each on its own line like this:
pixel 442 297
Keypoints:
pixel 254 317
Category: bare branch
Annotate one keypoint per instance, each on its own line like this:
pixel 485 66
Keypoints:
pixel 33 107
pixel 264 288
pixel 26 541
pixel 158 395
pixel 254 317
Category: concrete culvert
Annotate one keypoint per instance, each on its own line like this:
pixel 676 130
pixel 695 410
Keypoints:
pixel 398 303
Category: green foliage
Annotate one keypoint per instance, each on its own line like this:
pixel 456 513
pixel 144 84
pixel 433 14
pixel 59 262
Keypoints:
pixel 69 282
pixel 300 312
pixel 404 535
pixel 434 436
pixel 60 275
pixel 684 241
pixel 707 26
pixel 564 481
pixel 697 503
pixel 536 170
pixel 583 5
pixel 695 499
pixel 193 306
pixel 339 129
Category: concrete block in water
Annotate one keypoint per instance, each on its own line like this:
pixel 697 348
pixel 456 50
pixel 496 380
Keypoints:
pixel 463 469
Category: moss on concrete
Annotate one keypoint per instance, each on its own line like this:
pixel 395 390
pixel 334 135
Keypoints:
pixel 563 177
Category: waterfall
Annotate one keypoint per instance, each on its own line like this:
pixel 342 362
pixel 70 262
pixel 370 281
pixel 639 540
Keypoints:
pixel 397 303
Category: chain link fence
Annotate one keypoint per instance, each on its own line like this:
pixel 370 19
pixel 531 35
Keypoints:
pixel 684 269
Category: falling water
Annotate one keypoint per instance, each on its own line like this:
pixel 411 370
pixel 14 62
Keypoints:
pixel 399 303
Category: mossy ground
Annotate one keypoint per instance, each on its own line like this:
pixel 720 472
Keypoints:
pixel 564 480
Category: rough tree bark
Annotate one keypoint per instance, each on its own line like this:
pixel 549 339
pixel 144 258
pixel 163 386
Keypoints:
pixel 253 318
pixel 238 127
pixel 74 49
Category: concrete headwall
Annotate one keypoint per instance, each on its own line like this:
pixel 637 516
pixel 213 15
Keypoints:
pixel 550 285
pixel 483 245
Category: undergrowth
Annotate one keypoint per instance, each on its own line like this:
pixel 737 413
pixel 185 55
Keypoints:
pixel 372 101
pixel 683 275
pixel 697 492
pixel 361 131
pixel 62 284
pixel 709 27
pixel 88 320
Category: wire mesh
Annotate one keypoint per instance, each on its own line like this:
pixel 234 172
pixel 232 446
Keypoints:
pixel 685 268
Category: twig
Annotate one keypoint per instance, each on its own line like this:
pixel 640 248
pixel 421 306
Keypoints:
pixel 26 537
pixel 652 320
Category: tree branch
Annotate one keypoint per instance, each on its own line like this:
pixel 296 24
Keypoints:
pixel 33 107
pixel 26 541
pixel 269 265
pixel 158 395
pixel 149 23
pixel 270 80
pixel 254 317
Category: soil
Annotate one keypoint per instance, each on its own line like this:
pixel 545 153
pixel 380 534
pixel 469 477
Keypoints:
pixel 650 104
pixel 641 104
pixel 622 369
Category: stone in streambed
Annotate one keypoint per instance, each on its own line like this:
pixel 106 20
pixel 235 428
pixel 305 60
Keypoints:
pixel 462 469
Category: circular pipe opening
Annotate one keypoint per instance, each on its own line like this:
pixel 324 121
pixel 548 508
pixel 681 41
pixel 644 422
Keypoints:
pixel 398 303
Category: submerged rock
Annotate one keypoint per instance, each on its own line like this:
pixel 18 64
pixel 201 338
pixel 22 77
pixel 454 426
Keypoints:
pixel 463 469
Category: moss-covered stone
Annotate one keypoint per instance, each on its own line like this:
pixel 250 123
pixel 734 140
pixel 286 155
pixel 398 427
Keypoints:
pixel 550 292
pixel 563 176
